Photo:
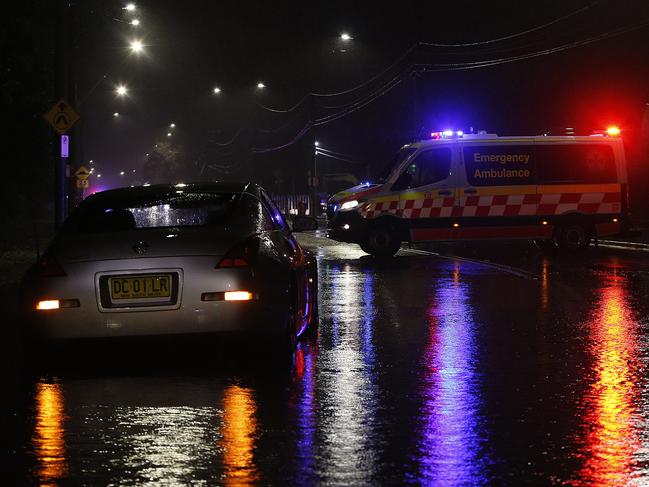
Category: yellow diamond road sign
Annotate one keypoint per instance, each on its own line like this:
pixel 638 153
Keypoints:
pixel 61 116
pixel 82 173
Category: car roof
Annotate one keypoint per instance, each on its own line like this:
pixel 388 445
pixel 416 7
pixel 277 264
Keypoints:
pixel 163 189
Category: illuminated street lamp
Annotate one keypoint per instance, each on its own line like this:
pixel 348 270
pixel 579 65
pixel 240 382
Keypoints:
pixel 121 90
pixel 345 37
pixel 136 46
pixel 116 114
pixel 316 143
pixel 172 125
pixel 217 90
pixel 98 175
pixel 121 173
pixel 168 134
pixel 261 85
pixel 130 7
pixel 135 22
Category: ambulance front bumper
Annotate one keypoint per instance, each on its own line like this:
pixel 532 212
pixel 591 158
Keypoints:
pixel 346 226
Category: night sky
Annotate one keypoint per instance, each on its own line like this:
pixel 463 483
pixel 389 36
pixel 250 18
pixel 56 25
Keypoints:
pixel 191 47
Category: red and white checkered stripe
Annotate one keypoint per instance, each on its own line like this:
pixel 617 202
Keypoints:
pixel 498 205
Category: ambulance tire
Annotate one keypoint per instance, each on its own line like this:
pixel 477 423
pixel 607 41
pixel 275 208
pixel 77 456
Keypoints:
pixel 548 246
pixel 573 237
pixel 382 241
pixel 364 247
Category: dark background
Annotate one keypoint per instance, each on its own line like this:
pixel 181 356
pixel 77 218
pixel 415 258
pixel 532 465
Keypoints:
pixel 292 47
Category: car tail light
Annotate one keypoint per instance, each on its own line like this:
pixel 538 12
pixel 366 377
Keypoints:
pixel 48 304
pixel 241 255
pixel 56 304
pixel 238 296
pixel 50 267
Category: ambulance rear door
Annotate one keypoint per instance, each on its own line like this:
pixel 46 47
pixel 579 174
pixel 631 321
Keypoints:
pixel 427 193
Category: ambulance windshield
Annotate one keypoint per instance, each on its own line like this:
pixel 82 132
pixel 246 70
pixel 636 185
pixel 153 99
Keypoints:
pixel 394 164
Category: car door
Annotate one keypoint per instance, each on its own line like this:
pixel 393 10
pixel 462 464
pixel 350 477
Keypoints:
pixel 285 239
pixel 427 194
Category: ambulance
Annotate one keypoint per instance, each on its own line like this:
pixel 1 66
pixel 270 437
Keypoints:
pixel 560 191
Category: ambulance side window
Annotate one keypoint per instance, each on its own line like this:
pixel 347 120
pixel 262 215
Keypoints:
pixel 428 167
pixel 582 163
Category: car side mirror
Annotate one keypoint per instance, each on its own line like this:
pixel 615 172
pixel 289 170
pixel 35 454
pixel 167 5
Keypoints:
pixel 304 223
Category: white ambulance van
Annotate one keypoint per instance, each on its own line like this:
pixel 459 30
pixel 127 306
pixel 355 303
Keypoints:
pixel 560 191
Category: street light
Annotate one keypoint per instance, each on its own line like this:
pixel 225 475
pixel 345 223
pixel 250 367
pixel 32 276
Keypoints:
pixel 316 143
pixel 116 114
pixel 168 134
pixel 121 90
pixel 261 85
pixel 136 46
pixel 345 37
pixel 172 125
pixel 135 22
pixel 121 173
pixel 217 90
pixel 130 7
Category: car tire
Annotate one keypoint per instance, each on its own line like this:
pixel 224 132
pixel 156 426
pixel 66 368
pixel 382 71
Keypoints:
pixel 382 241
pixel 572 237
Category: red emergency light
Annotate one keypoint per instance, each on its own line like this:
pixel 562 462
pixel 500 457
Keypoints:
pixel 613 131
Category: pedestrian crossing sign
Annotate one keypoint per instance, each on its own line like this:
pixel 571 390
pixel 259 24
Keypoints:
pixel 61 116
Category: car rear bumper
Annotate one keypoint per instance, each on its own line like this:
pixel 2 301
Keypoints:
pixel 245 317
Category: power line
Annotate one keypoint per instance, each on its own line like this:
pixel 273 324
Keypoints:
pixel 513 36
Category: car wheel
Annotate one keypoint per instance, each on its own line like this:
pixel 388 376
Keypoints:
pixel 572 237
pixel 382 241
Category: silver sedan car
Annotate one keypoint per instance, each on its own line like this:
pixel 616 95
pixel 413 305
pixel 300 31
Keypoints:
pixel 208 258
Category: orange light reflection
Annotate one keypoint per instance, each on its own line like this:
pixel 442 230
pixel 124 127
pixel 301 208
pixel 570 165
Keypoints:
pixel 611 439
pixel 239 436
pixel 47 440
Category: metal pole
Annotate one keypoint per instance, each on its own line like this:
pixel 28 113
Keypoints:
pixel 62 87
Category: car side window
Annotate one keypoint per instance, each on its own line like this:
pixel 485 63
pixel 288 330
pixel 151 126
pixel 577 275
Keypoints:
pixel 275 213
pixel 428 167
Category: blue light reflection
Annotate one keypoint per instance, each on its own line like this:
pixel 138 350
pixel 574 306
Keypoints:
pixel 450 449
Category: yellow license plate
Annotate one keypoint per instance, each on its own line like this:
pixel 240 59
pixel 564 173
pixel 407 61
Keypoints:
pixel 151 286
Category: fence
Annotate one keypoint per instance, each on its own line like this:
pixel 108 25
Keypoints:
pixel 293 204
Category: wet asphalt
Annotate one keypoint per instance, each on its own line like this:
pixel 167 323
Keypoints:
pixel 481 364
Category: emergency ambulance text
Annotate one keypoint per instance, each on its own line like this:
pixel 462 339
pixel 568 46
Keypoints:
pixel 501 158
pixel 501 173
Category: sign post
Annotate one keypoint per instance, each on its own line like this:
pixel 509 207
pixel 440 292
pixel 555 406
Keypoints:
pixel 61 117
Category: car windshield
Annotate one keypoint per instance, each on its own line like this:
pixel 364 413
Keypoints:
pixel 155 210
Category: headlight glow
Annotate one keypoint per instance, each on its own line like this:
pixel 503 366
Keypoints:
pixel 348 205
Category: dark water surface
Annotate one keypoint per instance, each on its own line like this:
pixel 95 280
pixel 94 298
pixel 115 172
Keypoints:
pixel 427 370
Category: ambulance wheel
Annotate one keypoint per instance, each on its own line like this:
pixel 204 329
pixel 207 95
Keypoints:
pixel 382 241
pixel 573 237
pixel 548 246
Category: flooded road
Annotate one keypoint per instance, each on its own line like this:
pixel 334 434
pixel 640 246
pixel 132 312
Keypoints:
pixel 428 369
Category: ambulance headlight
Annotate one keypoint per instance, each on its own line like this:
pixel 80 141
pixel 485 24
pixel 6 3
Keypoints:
pixel 348 205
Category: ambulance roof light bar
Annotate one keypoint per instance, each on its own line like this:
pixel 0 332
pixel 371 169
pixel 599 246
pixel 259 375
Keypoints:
pixel 612 131
pixel 447 134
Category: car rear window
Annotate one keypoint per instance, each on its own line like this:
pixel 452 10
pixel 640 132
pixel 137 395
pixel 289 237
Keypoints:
pixel 180 209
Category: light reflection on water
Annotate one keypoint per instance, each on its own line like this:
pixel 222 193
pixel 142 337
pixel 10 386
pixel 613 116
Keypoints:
pixel 48 441
pixel 609 409
pixel 347 416
pixel 450 438
pixel 239 436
